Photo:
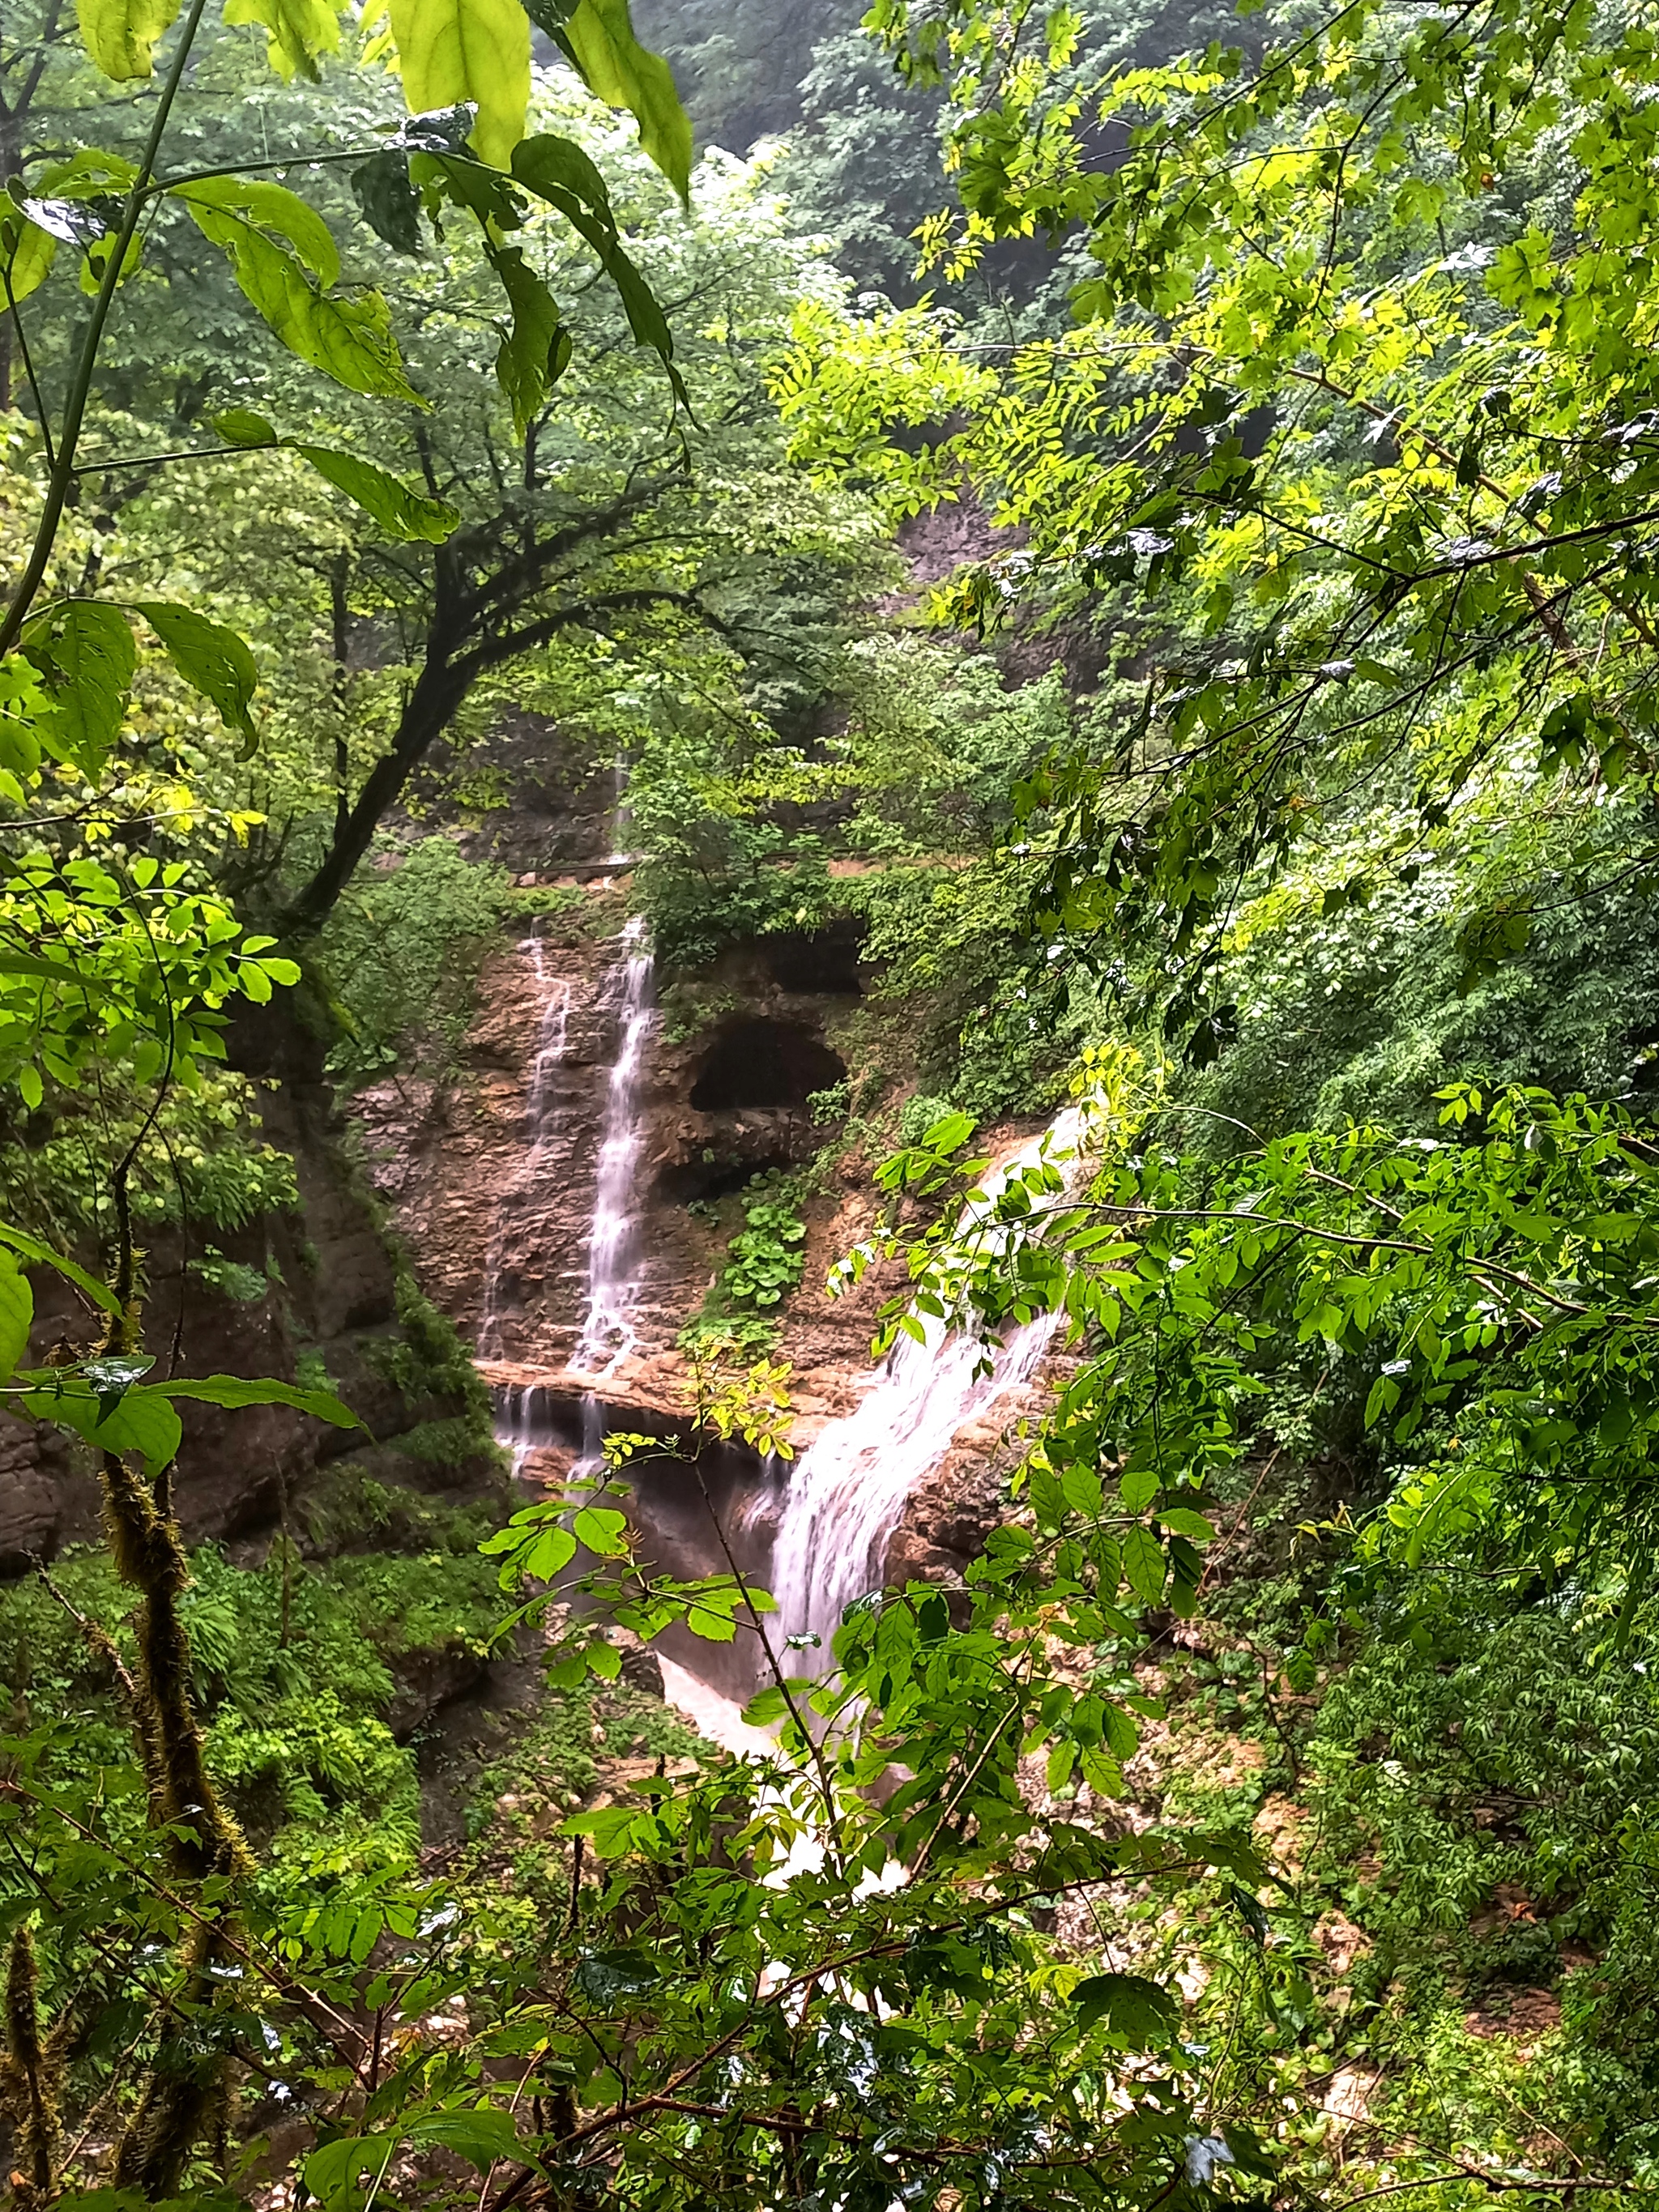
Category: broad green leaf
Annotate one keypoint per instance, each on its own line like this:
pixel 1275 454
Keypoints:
pixel 241 426
pixel 43 1255
pixel 1080 1487
pixel 16 1313
pixel 388 201
pixel 558 172
pixel 235 1390
pixel 603 1530
pixel 1136 2011
pixel 766 1706
pixel 61 972
pixel 480 2133
pixel 211 657
pixel 27 252
pixel 549 163
pixel 1181 1520
pixel 1144 1565
pixel 334 2173
pixel 84 650
pixel 141 1421
pixel 453 50
pixel 1138 1487
pixel 714 1625
pixel 548 1556
pixel 120 35
pixel 90 173
pixel 598 35
pixel 608 1976
pixel 301 31
pixel 536 350
pixel 348 339
pixel 401 512
pixel 273 212
pixel 610 1830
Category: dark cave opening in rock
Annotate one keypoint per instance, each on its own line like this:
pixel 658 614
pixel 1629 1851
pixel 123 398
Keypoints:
pixel 761 1061
pixel 706 1181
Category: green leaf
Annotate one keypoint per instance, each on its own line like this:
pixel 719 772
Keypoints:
pixel 1137 2012
pixel 349 339
pixel 610 1830
pixel 1079 1486
pixel 536 350
pixel 710 1620
pixel 598 36
pixel 235 1390
pixel 141 1421
pixel 1181 1520
pixel 27 252
pixel 1138 1487
pixel 480 2133
pixel 608 1976
pixel 16 1313
pixel 85 653
pixel 241 426
pixel 549 1555
pixel 301 31
pixel 120 35
pixel 453 50
pixel 548 163
pixel 603 1530
pixel 43 1255
pixel 273 212
pixel 388 201
pixel 333 2173
pixel 1144 1565
pixel 559 173
pixel 402 513
pixel 56 971
pixel 211 657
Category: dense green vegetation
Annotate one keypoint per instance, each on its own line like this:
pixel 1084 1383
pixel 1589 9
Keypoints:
pixel 1269 770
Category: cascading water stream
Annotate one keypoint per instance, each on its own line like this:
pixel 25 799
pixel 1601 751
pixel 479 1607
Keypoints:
pixel 847 1492
pixel 544 1117
pixel 608 1334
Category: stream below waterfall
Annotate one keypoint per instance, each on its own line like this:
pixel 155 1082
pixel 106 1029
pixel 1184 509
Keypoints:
pixel 814 1531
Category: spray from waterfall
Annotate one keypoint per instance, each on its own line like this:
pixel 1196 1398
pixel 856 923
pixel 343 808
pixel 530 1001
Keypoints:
pixel 846 1493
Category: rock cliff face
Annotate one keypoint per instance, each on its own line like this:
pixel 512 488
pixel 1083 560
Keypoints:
pixel 334 1300
pixel 491 1172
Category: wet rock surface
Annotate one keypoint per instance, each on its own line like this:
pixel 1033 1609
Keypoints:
pixel 333 1299
pixel 492 1174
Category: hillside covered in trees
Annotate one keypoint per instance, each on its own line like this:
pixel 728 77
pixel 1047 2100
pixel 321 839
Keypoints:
pixel 829 1030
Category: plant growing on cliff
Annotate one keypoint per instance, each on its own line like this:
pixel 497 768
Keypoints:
pixel 765 1259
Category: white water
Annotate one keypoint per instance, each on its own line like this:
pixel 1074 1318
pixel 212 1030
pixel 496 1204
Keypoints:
pixel 847 1492
pixel 608 1334
pixel 543 1114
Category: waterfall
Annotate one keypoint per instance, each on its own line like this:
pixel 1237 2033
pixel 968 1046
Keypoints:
pixel 543 1113
pixel 608 1334
pixel 846 1493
